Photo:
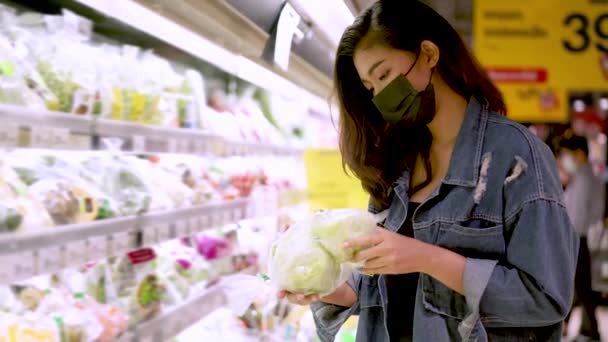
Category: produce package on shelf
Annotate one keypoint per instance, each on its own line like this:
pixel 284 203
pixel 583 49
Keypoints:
pixel 183 270
pixel 19 209
pixel 221 248
pixel 192 171
pixel 46 188
pixel 241 118
pixel 139 288
pixel 22 84
pixel 55 309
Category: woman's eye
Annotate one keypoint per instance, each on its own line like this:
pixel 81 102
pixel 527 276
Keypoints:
pixel 384 75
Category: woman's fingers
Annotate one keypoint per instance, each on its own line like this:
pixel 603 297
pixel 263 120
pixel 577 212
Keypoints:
pixel 298 298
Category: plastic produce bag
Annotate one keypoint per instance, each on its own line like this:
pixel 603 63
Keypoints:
pixel 310 258
pixel 332 228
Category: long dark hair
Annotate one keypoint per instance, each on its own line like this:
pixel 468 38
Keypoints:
pixel 376 153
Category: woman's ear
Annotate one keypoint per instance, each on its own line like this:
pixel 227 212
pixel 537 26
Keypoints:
pixel 429 52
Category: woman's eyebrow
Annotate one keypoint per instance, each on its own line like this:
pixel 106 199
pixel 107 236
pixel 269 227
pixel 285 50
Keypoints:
pixel 374 66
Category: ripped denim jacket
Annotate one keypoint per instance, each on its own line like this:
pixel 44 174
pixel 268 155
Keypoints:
pixel 500 206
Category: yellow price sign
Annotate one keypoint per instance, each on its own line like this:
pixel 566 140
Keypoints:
pixel 538 51
pixel 328 186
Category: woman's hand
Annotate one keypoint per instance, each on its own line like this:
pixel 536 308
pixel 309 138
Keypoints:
pixel 385 252
pixel 343 296
pixel 298 298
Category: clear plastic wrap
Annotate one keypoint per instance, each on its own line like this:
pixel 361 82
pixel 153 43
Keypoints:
pixel 310 258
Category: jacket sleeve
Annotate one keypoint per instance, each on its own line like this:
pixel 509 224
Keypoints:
pixel 534 286
pixel 329 318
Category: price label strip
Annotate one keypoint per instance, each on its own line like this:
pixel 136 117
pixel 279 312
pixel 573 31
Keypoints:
pixel 9 135
pixel 60 138
pixel 76 253
pixel 40 137
pixel 139 143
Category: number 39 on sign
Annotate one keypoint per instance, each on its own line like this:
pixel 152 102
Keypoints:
pixel 590 32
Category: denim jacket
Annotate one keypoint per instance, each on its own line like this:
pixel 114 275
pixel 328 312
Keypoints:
pixel 500 205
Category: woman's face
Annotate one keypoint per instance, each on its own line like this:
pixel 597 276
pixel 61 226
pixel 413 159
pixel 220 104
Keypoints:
pixel 378 65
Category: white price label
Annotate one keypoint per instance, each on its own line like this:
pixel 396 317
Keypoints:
pixel 227 217
pixel 28 265
pixel 219 147
pixel 163 232
pixel 121 243
pixel 194 225
pixel 139 143
pixel 216 219
pixel 172 146
pixel 236 215
pixel 97 248
pixel 149 235
pixel 7 274
pixel 9 135
pixel 50 259
pixel 60 138
pixel 200 147
pixel 76 254
pixel 40 137
pixel 205 221
pixel 184 146
pixel 181 229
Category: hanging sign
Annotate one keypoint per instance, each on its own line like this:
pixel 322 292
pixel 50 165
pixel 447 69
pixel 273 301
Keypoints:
pixel 538 51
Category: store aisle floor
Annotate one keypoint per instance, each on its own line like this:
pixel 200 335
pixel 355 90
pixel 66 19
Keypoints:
pixel 575 322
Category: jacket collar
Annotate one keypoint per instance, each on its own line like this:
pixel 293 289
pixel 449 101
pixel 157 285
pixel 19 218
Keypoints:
pixel 465 162
pixel 466 158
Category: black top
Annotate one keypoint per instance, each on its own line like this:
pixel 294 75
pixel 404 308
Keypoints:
pixel 401 289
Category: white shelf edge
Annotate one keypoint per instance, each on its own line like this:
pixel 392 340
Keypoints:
pixel 26 116
pixel 177 319
pixel 61 235
pixel 87 125
pixel 154 24
pixel 29 254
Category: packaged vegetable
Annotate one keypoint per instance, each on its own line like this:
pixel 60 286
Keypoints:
pixel 310 258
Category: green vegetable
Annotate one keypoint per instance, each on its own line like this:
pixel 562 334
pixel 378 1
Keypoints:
pixel 10 219
pixel 332 228
pixel 301 265
pixel 310 258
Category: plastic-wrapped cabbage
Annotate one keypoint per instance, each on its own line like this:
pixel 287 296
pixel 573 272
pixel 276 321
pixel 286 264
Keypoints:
pixel 310 257
pixel 332 228
pixel 300 264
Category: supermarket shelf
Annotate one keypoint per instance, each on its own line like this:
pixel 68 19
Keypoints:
pixel 181 317
pixel 171 323
pixel 31 253
pixel 47 129
pixel 24 116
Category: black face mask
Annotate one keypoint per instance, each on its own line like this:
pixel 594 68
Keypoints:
pixel 399 101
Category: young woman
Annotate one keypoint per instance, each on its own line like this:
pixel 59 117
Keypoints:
pixel 477 244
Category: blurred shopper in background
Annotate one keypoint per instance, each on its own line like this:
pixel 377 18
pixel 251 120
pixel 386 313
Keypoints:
pixel 477 245
pixel 584 199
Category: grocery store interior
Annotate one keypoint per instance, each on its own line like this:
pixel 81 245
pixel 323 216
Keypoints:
pixel 152 152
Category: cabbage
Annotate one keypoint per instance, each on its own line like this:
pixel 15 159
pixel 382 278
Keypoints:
pixel 310 257
pixel 332 228
pixel 300 265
